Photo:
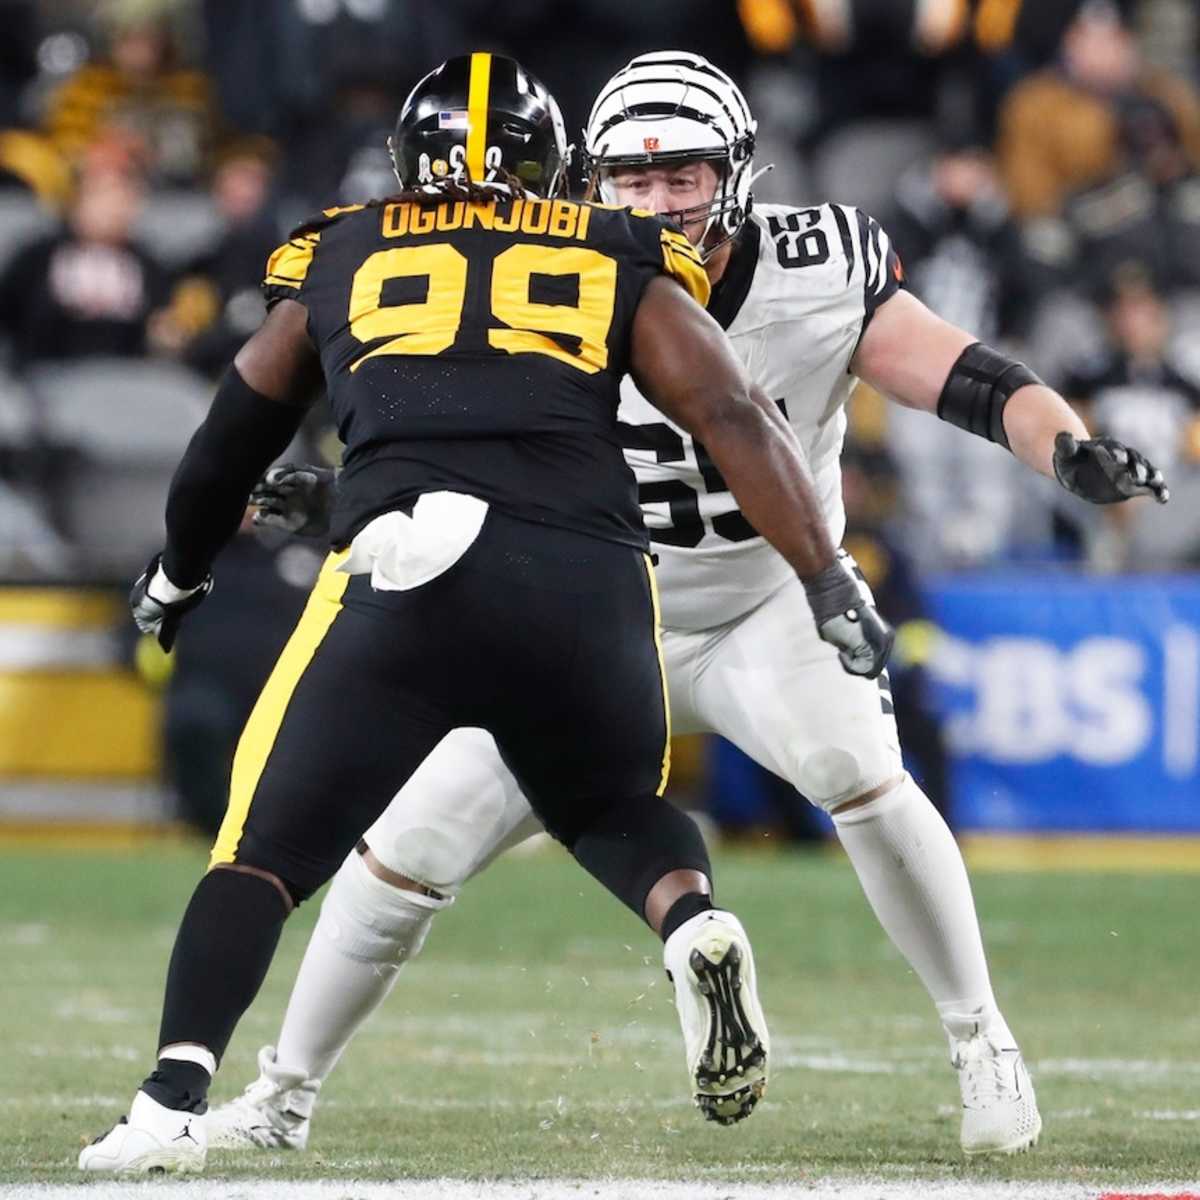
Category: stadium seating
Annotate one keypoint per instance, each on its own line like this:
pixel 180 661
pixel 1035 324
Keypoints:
pixel 177 226
pixel 129 423
pixel 860 163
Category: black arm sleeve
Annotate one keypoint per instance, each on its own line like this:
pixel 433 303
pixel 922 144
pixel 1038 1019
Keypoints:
pixel 241 436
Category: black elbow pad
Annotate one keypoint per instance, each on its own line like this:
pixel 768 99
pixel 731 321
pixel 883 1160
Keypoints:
pixel 978 388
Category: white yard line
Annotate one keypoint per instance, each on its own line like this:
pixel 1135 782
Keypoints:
pixel 609 1189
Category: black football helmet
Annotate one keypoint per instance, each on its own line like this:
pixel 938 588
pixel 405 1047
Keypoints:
pixel 476 118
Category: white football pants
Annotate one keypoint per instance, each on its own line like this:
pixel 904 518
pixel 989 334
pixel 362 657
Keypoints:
pixel 766 682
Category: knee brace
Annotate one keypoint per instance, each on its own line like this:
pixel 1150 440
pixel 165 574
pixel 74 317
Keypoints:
pixel 373 921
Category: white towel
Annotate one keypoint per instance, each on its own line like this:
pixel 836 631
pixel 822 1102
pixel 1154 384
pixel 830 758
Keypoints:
pixel 403 552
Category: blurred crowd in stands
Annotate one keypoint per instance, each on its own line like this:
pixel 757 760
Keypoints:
pixel 1036 161
pixel 1038 165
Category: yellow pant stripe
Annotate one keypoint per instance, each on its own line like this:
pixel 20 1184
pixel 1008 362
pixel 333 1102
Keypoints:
pixel 662 670
pixel 254 746
pixel 477 111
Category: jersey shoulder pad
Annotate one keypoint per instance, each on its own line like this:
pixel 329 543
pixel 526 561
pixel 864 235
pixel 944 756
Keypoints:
pixel 674 254
pixel 682 261
pixel 662 248
pixel 288 265
pixel 853 248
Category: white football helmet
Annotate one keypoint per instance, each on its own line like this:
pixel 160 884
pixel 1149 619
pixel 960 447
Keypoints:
pixel 674 106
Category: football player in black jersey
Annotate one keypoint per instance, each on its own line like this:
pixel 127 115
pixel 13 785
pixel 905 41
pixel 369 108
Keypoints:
pixel 489 564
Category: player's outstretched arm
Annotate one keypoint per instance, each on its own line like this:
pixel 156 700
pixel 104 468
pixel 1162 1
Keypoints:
pixel 913 356
pixel 255 413
pixel 684 364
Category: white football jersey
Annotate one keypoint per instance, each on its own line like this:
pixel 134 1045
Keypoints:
pixel 797 294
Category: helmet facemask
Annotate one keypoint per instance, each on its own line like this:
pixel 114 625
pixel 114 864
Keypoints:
pixel 723 215
pixel 670 108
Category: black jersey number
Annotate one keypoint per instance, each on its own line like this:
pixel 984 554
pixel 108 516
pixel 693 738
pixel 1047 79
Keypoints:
pixel 428 320
pixel 683 502
pixel 797 244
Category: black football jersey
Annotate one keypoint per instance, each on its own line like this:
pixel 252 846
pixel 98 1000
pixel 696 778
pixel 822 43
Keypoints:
pixel 478 347
pixel 1149 404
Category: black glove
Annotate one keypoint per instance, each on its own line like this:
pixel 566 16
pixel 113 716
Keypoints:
pixel 1106 471
pixel 845 620
pixel 162 617
pixel 298 500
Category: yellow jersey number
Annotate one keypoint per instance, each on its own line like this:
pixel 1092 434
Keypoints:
pixel 432 325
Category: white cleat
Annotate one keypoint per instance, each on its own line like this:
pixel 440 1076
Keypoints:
pixel 273 1113
pixel 151 1140
pixel 709 960
pixel 1000 1112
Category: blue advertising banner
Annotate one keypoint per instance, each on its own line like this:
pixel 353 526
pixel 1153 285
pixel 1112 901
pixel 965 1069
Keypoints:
pixel 1071 703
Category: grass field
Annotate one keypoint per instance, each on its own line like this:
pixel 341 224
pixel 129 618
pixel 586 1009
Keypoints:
pixel 535 1039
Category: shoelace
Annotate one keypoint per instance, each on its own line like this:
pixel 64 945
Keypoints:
pixel 985 1079
pixel 250 1105
pixel 263 1089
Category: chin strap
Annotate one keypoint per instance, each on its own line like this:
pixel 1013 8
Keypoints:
pixel 709 251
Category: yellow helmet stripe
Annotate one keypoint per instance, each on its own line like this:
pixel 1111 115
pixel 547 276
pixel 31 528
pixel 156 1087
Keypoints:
pixel 477 110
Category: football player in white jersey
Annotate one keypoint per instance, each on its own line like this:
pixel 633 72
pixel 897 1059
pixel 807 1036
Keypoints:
pixel 811 299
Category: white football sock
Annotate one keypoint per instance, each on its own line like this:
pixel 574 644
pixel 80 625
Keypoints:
pixel 913 874
pixel 191 1052
pixel 366 932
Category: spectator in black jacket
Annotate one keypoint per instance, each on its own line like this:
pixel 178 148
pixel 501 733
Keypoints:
pixel 87 289
pixel 217 302
pixel 1134 390
pixel 959 245
pixel 1148 210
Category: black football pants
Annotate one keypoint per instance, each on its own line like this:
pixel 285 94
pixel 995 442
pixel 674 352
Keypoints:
pixel 546 638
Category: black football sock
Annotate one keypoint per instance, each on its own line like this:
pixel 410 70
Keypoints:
pixel 684 909
pixel 224 946
pixel 179 1085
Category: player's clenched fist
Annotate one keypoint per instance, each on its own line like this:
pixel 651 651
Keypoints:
pixel 158 606
pixel 846 620
pixel 1106 471
pixel 296 499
